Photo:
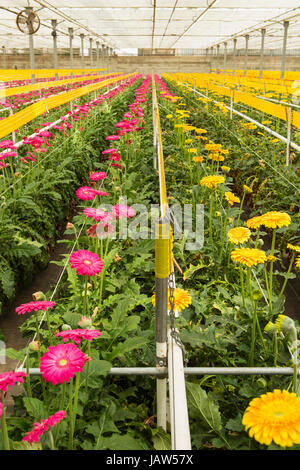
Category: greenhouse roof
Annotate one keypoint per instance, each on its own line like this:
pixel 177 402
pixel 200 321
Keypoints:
pixel 132 24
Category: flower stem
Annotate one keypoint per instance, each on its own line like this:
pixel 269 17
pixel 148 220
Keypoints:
pixel 287 276
pixel 4 426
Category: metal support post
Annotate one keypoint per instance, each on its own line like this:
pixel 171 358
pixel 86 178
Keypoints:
pixel 246 55
pixel 285 35
pixel 54 35
pixel 71 48
pixel 103 55
pixel 218 55
pixel 31 54
pixel 162 271
pixel 91 52
pixel 225 57
pixel 82 51
pixel 234 56
pixel 3 57
pixel 97 56
pixel 261 65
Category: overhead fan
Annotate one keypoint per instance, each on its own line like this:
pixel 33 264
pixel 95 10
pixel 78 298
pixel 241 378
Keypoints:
pixel 28 21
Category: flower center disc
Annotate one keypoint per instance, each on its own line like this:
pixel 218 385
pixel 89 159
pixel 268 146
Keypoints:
pixel 62 362
pixel 87 262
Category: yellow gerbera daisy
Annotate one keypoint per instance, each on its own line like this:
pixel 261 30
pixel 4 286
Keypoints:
pixel 225 168
pixel 266 122
pixel 193 150
pixel 271 258
pixel 189 141
pixel 216 157
pixel 284 323
pixel 198 159
pixel 293 247
pixel 248 256
pixel 201 131
pixel 275 219
pixel 274 416
pixel 169 116
pixel 297 263
pixel 212 181
pixel 231 198
pixel 182 299
pixel 254 222
pixel 238 235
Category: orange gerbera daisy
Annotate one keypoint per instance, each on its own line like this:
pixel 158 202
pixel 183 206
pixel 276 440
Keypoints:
pixel 182 299
pixel 248 256
pixel 238 235
pixel 274 416
pixel 275 219
pixel 198 159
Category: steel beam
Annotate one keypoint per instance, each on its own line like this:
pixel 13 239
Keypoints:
pixel 262 46
pixel 283 59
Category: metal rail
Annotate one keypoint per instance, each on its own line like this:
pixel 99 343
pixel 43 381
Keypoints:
pixel 179 420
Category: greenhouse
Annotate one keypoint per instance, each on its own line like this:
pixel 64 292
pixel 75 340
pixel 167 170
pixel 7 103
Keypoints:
pixel 149 227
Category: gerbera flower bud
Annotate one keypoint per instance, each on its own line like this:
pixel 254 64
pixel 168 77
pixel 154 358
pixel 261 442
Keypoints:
pixel 34 346
pixel 39 295
pixel 85 322
pixel 270 328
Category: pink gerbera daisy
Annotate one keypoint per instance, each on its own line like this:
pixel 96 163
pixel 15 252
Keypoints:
pixel 98 175
pixel 34 306
pixel 103 229
pixel 85 193
pixel 10 378
pixel 98 214
pixel 60 363
pixel 39 428
pixel 121 210
pixel 78 334
pixel 86 262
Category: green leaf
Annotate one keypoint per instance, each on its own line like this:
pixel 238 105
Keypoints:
pixel 128 345
pixel 35 407
pixel 203 405
pixel 235 424
pixel 124 442
pixel 24 445
pixel 15 354
pixel 161 440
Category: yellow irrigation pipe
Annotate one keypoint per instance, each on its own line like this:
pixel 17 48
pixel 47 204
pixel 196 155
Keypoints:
pixel 161 166
pixel 8 75
pixel 14 122
pixel 5 92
